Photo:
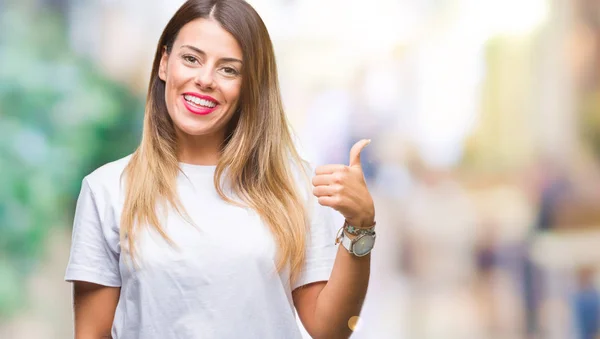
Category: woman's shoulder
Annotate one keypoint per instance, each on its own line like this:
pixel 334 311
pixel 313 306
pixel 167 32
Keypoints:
pixel 108 176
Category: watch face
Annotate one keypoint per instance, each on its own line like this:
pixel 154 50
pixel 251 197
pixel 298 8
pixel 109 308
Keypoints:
pixel 363 245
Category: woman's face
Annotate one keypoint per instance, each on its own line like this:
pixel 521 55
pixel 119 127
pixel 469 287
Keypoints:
pixel 203 78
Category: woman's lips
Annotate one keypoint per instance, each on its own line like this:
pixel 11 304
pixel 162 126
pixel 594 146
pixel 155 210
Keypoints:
pixel 197 109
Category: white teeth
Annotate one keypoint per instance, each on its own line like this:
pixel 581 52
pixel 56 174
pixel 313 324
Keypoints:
pixel 198 101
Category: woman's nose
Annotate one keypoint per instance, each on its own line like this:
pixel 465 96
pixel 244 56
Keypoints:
pixel 205 78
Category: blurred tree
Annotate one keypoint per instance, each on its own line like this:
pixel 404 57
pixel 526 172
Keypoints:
pixel 59 119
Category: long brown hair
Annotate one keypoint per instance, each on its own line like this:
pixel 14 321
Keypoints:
pixel 258 158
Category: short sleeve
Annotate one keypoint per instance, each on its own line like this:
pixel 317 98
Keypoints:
pixel 93 256
pixel 320 248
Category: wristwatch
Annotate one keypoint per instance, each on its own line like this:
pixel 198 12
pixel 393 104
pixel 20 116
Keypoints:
pixel 360 245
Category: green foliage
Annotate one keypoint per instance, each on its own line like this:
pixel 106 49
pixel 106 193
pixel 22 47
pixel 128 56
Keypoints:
pixel 59 119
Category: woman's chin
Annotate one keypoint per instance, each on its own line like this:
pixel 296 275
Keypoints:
pixel 191 126
pixel 195 131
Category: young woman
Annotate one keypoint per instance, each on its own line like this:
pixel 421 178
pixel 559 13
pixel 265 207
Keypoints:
pixel 210 228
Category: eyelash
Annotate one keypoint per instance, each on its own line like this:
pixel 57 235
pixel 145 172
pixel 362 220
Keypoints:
pixel 193 60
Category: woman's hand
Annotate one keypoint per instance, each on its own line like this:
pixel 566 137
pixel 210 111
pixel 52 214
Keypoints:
pixel 344 189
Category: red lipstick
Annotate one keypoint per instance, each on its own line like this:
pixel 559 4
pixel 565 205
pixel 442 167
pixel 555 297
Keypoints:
pixel 199 104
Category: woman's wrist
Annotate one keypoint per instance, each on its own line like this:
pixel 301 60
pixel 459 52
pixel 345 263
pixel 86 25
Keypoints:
pixel 352 232
pixel 366 223
pixel 355 230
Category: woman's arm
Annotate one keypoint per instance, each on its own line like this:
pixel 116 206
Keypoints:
pixel 325 307
pixel 94 308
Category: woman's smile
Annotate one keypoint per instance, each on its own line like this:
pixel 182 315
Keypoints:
pixel 199 104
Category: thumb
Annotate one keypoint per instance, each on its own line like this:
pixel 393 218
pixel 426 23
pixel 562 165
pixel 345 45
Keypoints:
pixel 355 152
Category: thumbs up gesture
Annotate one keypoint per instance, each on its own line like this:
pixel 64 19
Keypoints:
pixel 344 189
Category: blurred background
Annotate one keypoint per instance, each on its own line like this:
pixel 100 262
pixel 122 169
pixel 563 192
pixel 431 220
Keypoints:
pixel 485 120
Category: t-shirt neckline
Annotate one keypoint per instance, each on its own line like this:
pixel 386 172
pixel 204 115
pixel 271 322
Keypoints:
pixel 200 169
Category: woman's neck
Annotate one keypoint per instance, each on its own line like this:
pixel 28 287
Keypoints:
pixel 199 149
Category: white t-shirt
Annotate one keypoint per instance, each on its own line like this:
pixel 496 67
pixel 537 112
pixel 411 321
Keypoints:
pixel 220 281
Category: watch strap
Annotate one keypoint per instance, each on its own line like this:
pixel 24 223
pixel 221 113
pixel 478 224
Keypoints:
pixel 347 243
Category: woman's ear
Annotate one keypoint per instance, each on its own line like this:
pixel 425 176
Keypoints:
pixel 162 69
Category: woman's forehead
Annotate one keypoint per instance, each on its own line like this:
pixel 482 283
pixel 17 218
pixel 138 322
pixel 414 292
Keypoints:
pixel 208 35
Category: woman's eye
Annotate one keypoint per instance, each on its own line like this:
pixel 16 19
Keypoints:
pixel 230 71
pixel 190 59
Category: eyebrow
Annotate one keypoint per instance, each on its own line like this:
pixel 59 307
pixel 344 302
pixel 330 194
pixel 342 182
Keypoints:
pixel 199 51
